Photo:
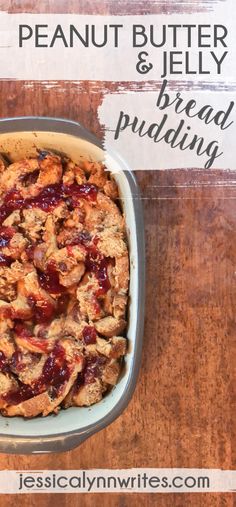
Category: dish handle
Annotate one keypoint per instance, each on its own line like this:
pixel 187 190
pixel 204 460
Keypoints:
pixel 43 445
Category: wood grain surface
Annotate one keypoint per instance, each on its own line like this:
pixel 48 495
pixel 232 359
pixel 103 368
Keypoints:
pixel 183 411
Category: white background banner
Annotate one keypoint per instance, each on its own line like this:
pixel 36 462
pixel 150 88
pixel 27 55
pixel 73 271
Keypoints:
pixel 142 51
pixel 166 139
pixel 52 50
pixel 135 480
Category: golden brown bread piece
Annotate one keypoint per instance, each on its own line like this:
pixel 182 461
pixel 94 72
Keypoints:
pixel 73 173
pixel 111 372
pixel 7 345
pixel 73 277
pixel 33 223
pixel 115 347
pixel 88 394
pixel 6 383
pixel 110 326
pixel 11 176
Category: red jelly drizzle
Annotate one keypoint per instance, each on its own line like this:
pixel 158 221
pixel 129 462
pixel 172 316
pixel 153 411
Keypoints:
pixel 85 191
pixel 48 199
pixel 24 392
pixel 83 238
pixel 93 368
pixel 5 260
pixel 55 373
pixel 102 276
pixel 49 280
pixel 98 265
pixel 94 261
pixel 43 310
pixel 89 335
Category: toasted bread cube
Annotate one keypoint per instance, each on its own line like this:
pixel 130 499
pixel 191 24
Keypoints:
pixel 110 326
pixel 88 394
pixel 111 372
pixel 118 346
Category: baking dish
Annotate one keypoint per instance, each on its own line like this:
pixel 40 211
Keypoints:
pixel 20 137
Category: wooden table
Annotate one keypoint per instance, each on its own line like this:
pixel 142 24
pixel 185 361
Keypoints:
pixel 183 411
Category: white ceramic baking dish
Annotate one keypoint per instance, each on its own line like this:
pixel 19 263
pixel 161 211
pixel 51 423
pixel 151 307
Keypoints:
pixel 20 137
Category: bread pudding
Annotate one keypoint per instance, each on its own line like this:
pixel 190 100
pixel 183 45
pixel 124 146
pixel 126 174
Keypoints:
pixel 64 276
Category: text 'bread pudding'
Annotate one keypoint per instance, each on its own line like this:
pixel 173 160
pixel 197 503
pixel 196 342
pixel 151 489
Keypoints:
pixel 64 275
